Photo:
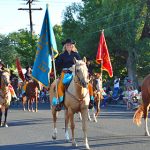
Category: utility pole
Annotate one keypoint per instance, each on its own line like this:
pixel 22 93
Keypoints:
pixel 30 13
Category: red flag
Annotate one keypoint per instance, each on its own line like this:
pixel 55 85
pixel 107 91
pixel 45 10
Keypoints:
pixel 20 73
pixel 103 56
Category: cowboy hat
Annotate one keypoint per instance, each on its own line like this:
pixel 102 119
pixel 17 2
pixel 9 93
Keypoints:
pixel 68 41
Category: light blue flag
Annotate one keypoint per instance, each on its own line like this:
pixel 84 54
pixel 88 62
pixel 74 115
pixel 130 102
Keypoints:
pixel 47 44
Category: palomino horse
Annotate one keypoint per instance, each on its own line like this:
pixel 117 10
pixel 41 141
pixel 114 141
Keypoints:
pixel 31 95
pixel 5 96
pixel 76 100
pixel 144 107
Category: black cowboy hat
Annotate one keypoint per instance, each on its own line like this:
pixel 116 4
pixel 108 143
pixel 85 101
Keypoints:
pixel 2 63
pixel 27 67
pixel 68 41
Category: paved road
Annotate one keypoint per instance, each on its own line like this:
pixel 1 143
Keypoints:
pixel 32 131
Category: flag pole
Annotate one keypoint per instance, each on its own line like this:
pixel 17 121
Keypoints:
pixel 102 64
pixel 54 73
pixel 53 61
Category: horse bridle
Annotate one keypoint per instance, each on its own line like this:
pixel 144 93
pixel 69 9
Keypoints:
pixel 81 82
pixel 5 80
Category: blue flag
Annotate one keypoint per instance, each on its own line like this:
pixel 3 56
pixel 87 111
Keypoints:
pixel 47 44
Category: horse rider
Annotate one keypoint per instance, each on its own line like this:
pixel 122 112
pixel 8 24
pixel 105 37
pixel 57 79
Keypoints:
pixel 2 68
pixel 28 77
pixel 28 73
pixel 63 63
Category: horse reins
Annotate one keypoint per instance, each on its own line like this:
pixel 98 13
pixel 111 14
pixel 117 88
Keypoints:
pixel 79 84
pixel 78 99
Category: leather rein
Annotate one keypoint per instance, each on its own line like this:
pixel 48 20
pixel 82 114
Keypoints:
pixel 79 83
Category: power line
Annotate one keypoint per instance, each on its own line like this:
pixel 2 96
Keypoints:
pixel 29 2
pixel 118 25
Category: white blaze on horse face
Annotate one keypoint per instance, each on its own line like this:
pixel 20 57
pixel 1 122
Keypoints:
pixel 83 71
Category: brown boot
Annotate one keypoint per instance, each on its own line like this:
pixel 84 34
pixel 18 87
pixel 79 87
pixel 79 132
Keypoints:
pixel 59 107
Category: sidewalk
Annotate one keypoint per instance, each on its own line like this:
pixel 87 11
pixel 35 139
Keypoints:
pixel 119 104
pixel 124 106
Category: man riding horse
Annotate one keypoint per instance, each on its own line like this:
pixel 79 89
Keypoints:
pixel 63 63
pixel 31 91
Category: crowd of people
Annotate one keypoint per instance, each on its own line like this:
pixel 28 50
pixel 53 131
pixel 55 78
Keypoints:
pixel 125 94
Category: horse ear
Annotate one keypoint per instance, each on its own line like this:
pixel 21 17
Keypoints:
pixel 84 59
pixel 74 60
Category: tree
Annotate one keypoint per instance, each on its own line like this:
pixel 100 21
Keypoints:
pixel 25 46
pixel 126 24
pixel 59 36
pixel 7 51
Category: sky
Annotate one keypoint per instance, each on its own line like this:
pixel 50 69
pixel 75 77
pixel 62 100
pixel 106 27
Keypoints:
pixel 12 19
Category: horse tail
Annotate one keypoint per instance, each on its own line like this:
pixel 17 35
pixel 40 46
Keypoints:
pixel 138 115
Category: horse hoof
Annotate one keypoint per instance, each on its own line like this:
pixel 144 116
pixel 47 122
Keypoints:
pixel 6 125
pixel 54 137
pixel 74 144
pixel 95 120
pixel 87 147
pixel 89 119
pixel 147 134
pixel 67 140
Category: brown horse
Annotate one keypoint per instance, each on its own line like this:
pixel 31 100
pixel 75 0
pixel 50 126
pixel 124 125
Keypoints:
pixel 97 88
pixel 5 95
pixel 144 107
pixel 76 100
pixel 31 95
pixel 96 81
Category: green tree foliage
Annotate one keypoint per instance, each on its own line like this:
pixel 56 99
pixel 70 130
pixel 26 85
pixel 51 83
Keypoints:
pixel 7 50
pixel 126 25
pixel 25 46
pixel 59 36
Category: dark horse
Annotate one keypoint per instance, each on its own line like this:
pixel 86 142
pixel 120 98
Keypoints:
pixel 5 95
pixel 144 107
pixel 32 95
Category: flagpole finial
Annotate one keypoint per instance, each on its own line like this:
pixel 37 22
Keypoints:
pixel 47 5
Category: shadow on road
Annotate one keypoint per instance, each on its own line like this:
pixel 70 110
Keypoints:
pixel 48 145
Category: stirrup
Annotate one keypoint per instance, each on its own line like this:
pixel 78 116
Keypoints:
pixel 91 105
pixel 58 107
